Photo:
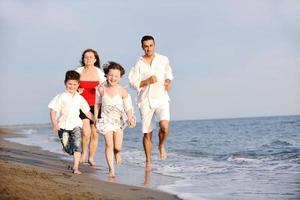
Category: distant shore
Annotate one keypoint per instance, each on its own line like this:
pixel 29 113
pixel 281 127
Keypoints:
pixel 31 173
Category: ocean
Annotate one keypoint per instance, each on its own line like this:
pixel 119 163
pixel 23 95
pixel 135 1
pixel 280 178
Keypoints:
pixel 222 159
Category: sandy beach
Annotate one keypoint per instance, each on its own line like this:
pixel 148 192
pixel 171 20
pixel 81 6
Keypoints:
pixel 31 173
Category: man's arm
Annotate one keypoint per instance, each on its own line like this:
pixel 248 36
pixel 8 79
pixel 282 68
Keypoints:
pixel 152 79
pixel 168 85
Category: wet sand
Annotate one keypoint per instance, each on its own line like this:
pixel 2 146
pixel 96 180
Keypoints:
pixel 31 173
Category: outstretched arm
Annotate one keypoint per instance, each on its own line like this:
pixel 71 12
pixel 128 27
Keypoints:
pixel 127 102
pixel 54 122
pixel 90 116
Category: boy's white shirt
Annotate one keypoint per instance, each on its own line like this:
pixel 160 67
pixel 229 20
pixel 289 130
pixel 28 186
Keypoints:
pixel 155 93
pixel 67 108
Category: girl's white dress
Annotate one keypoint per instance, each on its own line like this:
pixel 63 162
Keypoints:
pixel 113 115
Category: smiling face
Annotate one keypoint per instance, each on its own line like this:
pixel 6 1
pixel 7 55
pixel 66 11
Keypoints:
pixel 148 47
pixel 72 86
pixel 89 59
pixel 113 77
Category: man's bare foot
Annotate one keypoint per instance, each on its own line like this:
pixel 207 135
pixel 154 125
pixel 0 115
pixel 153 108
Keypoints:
pixel 118 158
pixel 111 174
pixel 163 153
pixel 147 177
pixel 76 171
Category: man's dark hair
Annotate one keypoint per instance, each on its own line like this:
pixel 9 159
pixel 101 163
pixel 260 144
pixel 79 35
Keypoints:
pixel 72 75
pixel 147 37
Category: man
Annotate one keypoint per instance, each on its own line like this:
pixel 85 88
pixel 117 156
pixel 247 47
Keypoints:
pixel 151 77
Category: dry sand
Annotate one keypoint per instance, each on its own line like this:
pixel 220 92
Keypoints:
pixel 31 173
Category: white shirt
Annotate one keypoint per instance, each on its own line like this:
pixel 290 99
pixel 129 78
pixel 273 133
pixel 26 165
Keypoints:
pixel 67 107
pixel 101 75
pixel 155 93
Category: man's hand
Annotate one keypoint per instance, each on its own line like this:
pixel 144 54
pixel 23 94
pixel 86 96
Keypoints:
pixel 152 79
pixel 168 85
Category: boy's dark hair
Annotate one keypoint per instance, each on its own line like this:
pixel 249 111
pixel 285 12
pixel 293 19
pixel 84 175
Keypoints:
pixel 72 75
pixel 147 37
pixel 113 65
pixel 97 63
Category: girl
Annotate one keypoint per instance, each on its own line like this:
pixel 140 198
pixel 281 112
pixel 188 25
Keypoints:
pixel 116 114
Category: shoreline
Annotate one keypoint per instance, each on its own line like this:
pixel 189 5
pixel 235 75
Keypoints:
pixel 29 172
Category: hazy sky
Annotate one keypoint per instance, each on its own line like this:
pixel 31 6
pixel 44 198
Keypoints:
pixel 229 58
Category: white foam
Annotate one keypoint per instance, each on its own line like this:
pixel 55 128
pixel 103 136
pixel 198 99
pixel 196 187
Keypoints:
pixel 28 131
pixel 242 160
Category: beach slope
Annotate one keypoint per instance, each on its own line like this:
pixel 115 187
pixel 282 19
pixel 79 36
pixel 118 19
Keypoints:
pixel 30 173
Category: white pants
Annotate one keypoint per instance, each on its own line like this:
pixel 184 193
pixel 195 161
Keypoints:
pixel 149 114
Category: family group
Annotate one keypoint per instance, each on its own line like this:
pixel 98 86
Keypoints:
pixel 94 103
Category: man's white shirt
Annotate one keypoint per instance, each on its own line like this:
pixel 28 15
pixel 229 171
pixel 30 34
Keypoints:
pixel 155 94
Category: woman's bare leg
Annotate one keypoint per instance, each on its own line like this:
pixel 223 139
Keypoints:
pixel 85 139
pixel 93 145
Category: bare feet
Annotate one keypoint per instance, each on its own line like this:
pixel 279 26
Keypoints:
pixel 76 171
pixel 92 163
pixel 118 158
pixel 81 161
pixel 163 153
pixel 147 177
pixel 111 174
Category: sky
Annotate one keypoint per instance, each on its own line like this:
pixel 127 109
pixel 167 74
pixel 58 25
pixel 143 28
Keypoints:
pixel 230 58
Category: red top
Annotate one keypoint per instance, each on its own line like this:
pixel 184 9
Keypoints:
pixel 89 92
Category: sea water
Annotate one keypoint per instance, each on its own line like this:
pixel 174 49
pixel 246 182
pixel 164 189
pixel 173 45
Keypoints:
pixel 234 159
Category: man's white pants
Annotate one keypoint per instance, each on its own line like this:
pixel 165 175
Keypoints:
pixel 149 114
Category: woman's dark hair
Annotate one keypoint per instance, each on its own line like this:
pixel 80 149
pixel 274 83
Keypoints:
pixel 113 65
pixel 97 63
pixel 72 75
pixel 147 37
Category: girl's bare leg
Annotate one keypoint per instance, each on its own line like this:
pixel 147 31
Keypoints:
pixel 109 153
pixel 118 140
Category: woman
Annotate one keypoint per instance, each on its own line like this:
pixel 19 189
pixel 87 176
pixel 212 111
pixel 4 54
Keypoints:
pixel 91 76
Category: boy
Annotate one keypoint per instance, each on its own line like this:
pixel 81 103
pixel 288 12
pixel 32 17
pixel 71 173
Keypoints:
pixel 64 114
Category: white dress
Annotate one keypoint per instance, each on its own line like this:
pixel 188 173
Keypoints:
pixel 113 115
